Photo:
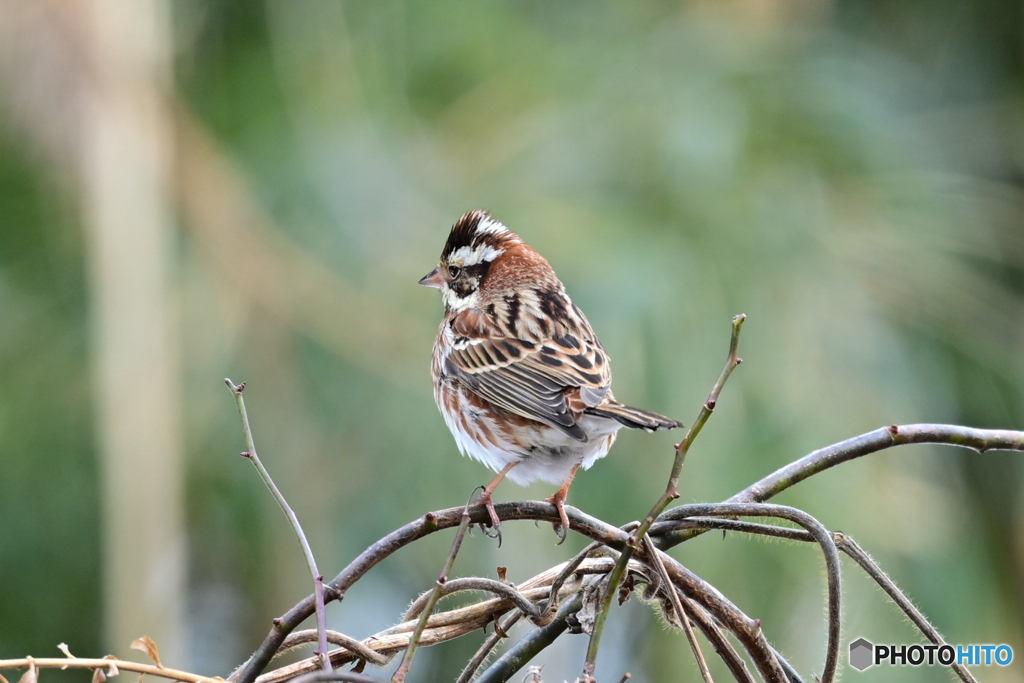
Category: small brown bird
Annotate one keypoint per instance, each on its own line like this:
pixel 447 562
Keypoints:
pixel 520 378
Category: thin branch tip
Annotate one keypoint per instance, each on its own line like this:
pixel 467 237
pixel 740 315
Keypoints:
pixel 293 520
pixel 618 573
pixel 236 389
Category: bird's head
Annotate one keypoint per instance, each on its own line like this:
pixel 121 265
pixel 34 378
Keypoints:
pixel 481 258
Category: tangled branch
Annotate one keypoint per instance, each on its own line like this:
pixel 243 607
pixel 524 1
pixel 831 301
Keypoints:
pixel 631 562
pixel 576 595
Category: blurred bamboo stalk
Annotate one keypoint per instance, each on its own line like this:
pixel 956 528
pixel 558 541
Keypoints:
pixel 126 168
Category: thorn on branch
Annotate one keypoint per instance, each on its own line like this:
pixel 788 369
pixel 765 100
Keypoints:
pixel 246 454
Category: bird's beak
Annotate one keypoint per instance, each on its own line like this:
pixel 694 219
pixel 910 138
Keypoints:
pixel 433 279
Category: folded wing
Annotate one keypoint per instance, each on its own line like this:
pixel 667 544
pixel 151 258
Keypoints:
pixel 535 379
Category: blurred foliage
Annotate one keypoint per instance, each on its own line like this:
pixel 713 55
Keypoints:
pixel 846 173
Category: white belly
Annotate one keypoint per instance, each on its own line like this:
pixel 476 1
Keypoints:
pixel 543 453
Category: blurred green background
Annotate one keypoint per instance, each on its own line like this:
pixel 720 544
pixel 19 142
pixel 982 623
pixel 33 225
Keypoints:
pixel 197 189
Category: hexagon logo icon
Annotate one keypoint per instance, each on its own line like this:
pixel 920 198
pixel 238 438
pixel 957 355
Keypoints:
pixel 861 654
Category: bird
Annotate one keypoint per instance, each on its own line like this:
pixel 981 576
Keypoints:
pixel 519 376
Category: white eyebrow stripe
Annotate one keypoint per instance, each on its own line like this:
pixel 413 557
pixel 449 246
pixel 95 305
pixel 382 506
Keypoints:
pixel 471 256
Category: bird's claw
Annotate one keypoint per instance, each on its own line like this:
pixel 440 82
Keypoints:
pixel 495 523
pixel 562 526
pixel 496 532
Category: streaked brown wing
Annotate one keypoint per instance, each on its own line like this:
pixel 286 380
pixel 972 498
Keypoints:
pixel 531 379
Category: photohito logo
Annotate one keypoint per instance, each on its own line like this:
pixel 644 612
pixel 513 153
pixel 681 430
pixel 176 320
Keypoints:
pixel 864 654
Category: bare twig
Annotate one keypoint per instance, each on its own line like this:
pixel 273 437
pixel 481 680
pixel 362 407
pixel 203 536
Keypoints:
pixel 791 674
pixel 343 676
pixel 845 544
pixel 820 535
pixel 434 596
pixel 663 527
pixel 513 659
pixel 501 590
pixel 318 579
pixel 677 605
pixel 549 607
pixel 671 493
pixel 500 633
pixel 105 664
pixel 355 647
pixel 746 630
pixel 718 641
pixel 850 547
pixel 980 440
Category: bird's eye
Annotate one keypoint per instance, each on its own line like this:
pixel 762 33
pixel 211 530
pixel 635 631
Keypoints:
pixel 454 271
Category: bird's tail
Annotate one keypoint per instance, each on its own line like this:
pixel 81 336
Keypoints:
pixel 634 418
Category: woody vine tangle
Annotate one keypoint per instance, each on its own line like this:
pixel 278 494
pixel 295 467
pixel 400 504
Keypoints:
pixel 578 594
pixel 554 599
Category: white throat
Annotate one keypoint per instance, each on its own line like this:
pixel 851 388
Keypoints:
pixel 454 302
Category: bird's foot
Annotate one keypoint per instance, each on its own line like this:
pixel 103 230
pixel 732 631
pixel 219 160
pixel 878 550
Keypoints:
pixel 485 500
pixel 495 523
pixel 562 527
pixel 558 499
